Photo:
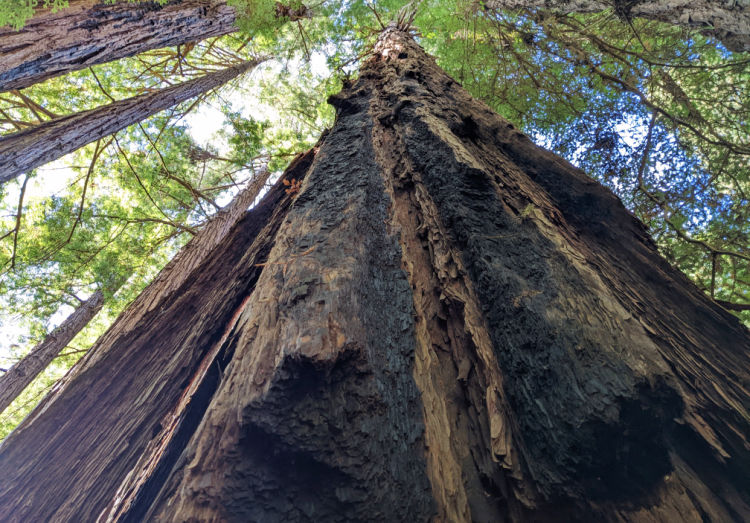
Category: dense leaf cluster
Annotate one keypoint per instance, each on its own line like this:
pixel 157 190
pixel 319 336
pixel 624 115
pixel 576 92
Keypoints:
pixel 658 113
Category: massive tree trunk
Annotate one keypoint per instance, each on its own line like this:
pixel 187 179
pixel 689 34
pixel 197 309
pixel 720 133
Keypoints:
pixel 446 322
pixel 90 32
pixel 727 21
pixel 20 375
pixel 22 151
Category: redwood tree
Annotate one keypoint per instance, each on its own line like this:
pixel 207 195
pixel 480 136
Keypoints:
pixel 22 373
pixel 728 22
pixel 22 151
pixel 90 32
pixel 446 322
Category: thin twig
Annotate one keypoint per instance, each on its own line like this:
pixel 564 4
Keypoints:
pixel 101 87
pixel 19 214
pixel 97 151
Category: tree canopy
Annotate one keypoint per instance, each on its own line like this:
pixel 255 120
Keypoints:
pixel 658 112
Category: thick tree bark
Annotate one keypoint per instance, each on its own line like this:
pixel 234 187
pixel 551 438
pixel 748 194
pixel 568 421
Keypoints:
pixel 90 32
pixel 727 21
pixel 447 323
pixel 22 151
pixel 22 373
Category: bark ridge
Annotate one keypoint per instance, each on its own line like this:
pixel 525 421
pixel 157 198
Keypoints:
pixel 90 32
pixel 446 323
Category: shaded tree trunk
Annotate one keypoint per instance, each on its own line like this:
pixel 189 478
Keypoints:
pixel 90 32
pixel 22 151
pixel 728 22
pixel 20 375
pixel 446 323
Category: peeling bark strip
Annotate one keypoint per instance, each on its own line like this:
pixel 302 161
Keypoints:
pixel 20 152
pixel 726 20
pixel 448 324
pixel 90 32
pixel 22 373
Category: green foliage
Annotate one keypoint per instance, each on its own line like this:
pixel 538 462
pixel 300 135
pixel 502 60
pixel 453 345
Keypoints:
pixel 15 12
pixel 262 17
pixel 659 114
pixel 245 138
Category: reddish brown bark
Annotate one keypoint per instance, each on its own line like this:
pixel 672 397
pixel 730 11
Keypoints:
pixel 22 151
pixel 90 32
pixel 448 323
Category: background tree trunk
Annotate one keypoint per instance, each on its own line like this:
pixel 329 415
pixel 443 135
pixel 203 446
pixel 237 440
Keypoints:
pixel 728 22
pixel 22 151
pixel 90 32
pixel 448 323
pixel 22 373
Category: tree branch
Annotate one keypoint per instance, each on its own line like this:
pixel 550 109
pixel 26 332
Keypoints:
pixel 19 214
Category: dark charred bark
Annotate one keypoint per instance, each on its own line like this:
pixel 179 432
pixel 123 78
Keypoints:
pixel 448 323
pixel 20 375
pixel 22 151
pixel 90 32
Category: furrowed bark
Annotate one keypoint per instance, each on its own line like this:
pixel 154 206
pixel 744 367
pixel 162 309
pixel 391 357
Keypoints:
pixel 20 152
pixel 564 369
pixel 728 22
pixel 141 376
pixel 90 32
pixel 22 373
pixel 448 324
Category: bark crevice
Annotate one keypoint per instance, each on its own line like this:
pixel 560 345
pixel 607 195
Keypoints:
pixel 450 324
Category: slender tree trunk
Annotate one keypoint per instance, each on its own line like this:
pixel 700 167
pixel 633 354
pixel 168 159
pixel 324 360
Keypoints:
pixel 20 152
pixel 90 32
pixel 727 21
pixel 22 373
pixel 447 323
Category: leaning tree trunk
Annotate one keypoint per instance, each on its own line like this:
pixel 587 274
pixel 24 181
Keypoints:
pixel 22 151
pixel 90 32
pixel 447 323
pixel 727 21
pixel 20 375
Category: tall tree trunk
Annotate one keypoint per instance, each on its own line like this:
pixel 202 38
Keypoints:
pixel 447 323
pixel 22 373
pixel 22 151
pixel 728 22
pixel 90 32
